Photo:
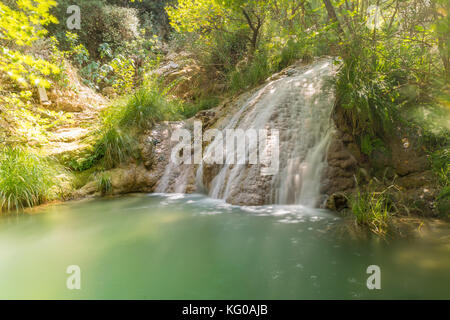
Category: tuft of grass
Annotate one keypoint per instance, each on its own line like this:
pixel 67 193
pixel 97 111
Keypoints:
pixel 372 209
pixel 144 108
pixel 114 147
pixel 25 178
pixel 104 184
pixel 441 167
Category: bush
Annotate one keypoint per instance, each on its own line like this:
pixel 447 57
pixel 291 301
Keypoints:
pixel 101 23
pixel 441 167
pixel 25 178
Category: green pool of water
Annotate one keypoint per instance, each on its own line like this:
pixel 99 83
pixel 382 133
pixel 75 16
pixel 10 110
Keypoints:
pixel 192 247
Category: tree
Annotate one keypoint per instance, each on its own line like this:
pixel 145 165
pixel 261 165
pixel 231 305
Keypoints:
pixel 442 27
pixel 332 14
pixel 207 16
pixel 19 29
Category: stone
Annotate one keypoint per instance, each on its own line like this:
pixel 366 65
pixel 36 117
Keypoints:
pixel 336 202
pixel 109 91
pixel 416 180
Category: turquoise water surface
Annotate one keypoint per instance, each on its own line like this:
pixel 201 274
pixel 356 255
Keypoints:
pixel 176 246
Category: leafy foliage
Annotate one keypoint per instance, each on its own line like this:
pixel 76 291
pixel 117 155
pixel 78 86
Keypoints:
pixel 23 27
pixel 25 178
pixel 115 140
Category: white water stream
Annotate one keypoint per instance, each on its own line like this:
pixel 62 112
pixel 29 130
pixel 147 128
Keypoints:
pixel 298 105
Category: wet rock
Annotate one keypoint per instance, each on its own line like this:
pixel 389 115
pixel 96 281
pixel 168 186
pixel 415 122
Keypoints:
pixel 342 166
pixel 336 202
pixel 87 190
pixel 134 178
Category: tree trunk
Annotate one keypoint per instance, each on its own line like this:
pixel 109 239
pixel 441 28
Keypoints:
pixel 332 15
pixel 255 27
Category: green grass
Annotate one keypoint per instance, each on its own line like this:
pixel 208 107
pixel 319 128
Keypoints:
pixel 372 209
pixel 144 108
pixel 115 141
pixel 266 62
pixel 104 185
pixel 441 167
pixel 114 147
pixel 25 178
pixel 251 75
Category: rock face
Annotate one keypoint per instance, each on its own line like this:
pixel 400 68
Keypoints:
pixel 342 165
pixel 401 163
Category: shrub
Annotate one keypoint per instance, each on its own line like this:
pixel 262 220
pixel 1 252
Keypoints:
pixel 115 140
pixel 101 23
pixel 25 178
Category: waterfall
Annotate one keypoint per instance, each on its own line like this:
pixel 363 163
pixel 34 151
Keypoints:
pixel 175 178
pixel 299 105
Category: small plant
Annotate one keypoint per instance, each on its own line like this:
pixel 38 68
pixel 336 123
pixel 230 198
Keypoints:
pixel 25 178
pixel 372 209
pixel 144 108
pixel 104 184
pixel 77 51
pixel 441 167
pixel 114 147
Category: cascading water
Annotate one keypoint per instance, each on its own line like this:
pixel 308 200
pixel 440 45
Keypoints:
pixel 298 104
